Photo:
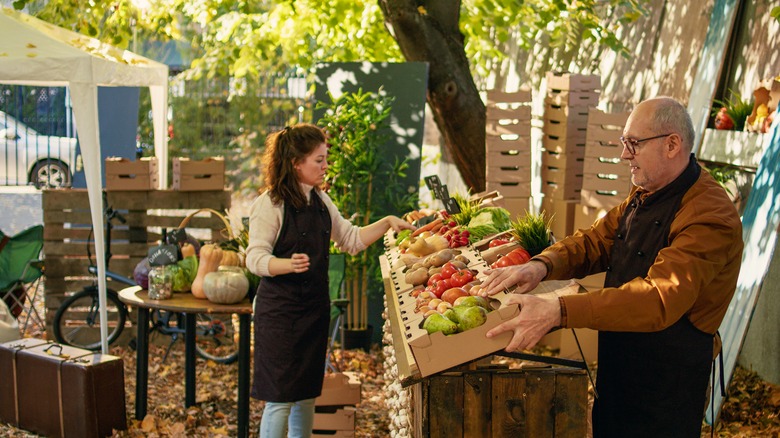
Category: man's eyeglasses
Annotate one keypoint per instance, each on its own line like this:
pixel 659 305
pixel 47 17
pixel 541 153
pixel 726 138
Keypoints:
pixel 631 143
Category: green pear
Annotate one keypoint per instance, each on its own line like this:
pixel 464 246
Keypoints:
pixel 473 300
pixel 449 314
pixel 470 317
pixel 438 323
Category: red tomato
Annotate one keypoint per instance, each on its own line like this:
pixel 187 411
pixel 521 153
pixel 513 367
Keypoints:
pixel 497 242
pixel 440 286
pixel 461 277
pixel 519 256
pixel 448 269
pixel 434 278
pixel 452 294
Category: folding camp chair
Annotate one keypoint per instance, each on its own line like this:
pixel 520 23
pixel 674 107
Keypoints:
pixel 336 264
pixel 20 273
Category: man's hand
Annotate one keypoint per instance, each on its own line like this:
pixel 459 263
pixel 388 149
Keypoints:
pixel 527 276
pixel 537 316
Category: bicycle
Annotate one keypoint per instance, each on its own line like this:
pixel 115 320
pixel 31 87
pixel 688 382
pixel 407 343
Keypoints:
pixel 77 320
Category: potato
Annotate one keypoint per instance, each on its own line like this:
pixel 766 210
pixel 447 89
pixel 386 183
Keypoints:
pixel 417 276
pixel 441 257
pixel 462 258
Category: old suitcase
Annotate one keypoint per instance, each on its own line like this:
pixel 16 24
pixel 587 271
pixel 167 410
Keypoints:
pixel 62 391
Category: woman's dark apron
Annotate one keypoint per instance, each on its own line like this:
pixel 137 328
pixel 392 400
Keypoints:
pixel 292 311
pixel 651 384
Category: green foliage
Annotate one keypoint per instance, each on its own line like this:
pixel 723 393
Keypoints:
pixel 362 182
pixel 468 209
pixel 723 175
pixel 532 231
pixel 736 107
pixel 776 13
pixel 489 24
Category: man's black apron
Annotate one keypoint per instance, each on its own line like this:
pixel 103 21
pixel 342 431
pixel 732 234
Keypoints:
pixel 651 384
pixel 292 311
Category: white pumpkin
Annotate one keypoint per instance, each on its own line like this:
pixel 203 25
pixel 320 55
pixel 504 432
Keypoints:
pixel 227 285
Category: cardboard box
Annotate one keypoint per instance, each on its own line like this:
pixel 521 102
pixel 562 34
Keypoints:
pixel 561 214
pixel 341 418
pixel 567 176
pixel 488 199
pixel 123 174
pixel 572 81
pixel 436 352
pixel 604 149
pixel 572 132
pixel 585 215
pixel 604 134
pixel 553 143
pixel 497 97
pixel 607 166
pixel 609 120
pixel 576 115
pixel 572 98
pixel 191 176
pixel 519 158
pixel 571 162
pixel 518 145
pixel 508 131
pixel 607 183
pixel 508 173
pixel 563 191
pixel 510 114
pixel 511 189
pixel 518 205
pixel 339 389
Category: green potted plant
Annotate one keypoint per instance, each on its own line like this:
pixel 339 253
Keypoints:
pixel 364 184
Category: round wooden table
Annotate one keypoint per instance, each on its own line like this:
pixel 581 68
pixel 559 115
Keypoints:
pixel 190 306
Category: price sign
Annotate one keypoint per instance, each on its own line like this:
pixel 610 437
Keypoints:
pixel 162 255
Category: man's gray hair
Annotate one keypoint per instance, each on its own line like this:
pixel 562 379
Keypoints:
pixel 671 116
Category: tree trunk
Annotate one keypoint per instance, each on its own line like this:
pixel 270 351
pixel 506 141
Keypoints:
pixel 430 33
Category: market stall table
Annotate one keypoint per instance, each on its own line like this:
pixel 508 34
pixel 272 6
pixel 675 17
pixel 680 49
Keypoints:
pixel 190 306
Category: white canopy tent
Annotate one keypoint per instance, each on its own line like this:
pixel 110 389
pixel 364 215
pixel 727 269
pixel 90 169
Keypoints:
pixel 33 52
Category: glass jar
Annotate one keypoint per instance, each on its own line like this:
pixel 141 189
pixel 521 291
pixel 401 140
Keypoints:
pixel 160 283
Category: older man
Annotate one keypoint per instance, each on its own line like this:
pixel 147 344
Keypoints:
pixel 672 253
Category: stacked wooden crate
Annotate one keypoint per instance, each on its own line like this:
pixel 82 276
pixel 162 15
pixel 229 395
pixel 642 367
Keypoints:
pixel 606 178
pixel 508 148
pixel 335 408
pixel 569 97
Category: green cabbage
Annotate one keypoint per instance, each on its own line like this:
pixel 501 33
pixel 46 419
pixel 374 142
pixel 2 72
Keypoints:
pixel 184 273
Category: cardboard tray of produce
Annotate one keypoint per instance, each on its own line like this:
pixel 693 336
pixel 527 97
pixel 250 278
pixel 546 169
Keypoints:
pixel 436 352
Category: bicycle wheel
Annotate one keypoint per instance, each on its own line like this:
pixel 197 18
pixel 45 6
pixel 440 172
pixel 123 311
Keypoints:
pixel 216 337
pixel 77 321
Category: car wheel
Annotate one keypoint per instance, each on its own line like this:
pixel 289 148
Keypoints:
pixel 50 174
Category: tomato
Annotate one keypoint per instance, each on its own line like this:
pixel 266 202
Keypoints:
pixel 461 277
pixel 448 269
pixel 434 278
pixel 497 242
pixel 519 256
pixel 440 286
pixel 452 294
pixel 723 120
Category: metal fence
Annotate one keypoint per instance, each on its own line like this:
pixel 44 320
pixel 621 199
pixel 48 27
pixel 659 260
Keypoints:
pixel 209 117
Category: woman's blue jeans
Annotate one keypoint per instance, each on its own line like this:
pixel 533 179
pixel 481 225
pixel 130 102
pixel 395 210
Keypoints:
pixel 295 417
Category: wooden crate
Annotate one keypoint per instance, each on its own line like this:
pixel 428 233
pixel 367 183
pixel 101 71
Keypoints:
pixel 489 403
pixel 67 229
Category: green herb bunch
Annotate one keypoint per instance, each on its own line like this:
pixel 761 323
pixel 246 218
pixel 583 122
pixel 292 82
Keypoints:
pixel 532 231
